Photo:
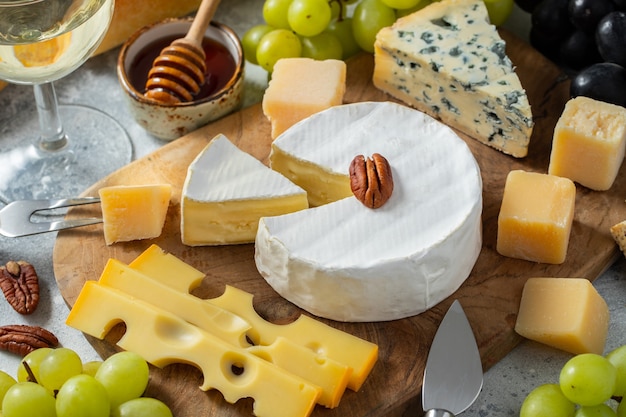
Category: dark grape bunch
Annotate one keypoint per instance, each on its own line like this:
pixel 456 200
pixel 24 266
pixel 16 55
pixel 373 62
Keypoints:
pixel 588 38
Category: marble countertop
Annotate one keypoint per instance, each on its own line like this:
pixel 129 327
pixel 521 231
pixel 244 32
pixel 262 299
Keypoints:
pixel 506 383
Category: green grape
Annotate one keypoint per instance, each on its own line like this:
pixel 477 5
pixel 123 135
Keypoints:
pixel 418 6
pixel 279 43
pixel 28 399
pixel 91 367
pixel 618 358
pixel 322 46
pixel 342 29
pixel 124 375
pixel 588 379
pixel 32 360
pixel 337 9
pixel 250 41
pixel 547 401
pixel 401 4
pixel 368 18
pixel 309 17
pixel 58 366
pixel 6 382
pixel 499 10
pixel 275 13
pixel 600 410
pixel 142 407
pixel 82 396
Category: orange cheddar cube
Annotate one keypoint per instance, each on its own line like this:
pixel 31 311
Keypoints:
pixel 536 217
pixel 301 87
pixel 589 142
pixel 565 313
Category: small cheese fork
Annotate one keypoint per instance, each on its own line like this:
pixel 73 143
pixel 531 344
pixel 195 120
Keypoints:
pixel 16 218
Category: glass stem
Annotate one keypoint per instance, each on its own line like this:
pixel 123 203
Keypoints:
pixel 52 137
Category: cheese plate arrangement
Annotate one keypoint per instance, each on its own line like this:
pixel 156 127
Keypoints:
pixel 490 295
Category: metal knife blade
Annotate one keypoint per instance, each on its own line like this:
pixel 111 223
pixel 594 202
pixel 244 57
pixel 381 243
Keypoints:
pixel 454 375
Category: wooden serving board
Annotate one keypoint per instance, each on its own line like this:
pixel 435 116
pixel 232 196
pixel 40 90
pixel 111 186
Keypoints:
pixel 490 295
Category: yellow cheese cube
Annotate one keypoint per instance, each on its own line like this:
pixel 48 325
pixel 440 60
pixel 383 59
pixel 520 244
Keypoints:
pixel 536 217
pixel 565 313
pixel 134 212
pixel 589 142
pixel 301 87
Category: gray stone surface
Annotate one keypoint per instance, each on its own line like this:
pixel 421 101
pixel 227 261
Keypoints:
pixel 95 84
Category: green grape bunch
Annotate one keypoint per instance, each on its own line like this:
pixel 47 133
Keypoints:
pixel 589 385
pixel 56 383
pixel 332 29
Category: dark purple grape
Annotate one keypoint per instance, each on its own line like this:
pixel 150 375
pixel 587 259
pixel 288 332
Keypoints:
pixel 551 19
pixel 603 81
pixel 550 25
pixel 579 50
pixel 548 47
pixel 620 4
pixel 585 14
pixel 527 5
pixel 611 38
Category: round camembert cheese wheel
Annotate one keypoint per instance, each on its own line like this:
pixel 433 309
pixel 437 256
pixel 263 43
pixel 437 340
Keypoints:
pixel 346 262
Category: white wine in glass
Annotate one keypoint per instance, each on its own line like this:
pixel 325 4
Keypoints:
pixel 69 147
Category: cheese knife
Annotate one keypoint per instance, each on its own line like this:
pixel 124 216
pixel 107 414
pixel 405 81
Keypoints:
pixel 454 375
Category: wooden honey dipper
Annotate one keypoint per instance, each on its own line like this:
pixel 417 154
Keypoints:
pixel 178 72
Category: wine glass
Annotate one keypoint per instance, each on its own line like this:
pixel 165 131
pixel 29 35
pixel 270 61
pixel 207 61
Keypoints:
pixel 42 41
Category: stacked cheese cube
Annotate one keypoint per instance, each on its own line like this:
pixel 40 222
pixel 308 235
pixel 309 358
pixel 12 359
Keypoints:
pixel 537 209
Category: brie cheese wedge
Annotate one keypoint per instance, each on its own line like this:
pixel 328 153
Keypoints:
pixel 346 262
pixel 225 193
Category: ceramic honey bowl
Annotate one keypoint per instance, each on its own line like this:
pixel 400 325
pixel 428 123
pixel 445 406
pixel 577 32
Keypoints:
pixel 220 95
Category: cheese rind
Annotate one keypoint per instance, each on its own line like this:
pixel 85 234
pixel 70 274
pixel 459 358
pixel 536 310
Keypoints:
pixel 347 262
pixel 301 87
pixel 589 143
pixel 536 216
pixel 565 313
pixel 225 193
pixel 173 340
pixel 134 212
pixel 448 61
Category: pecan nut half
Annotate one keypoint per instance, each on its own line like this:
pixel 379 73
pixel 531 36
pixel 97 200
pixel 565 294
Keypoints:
pixel 20 285
pixel 22 339
pixel 371 180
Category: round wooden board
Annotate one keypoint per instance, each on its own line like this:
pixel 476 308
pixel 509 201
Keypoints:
pixel 490 296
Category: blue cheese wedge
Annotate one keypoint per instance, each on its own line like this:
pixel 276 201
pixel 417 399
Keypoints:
pixel 447 60
pixel 225 193
pixel 347 262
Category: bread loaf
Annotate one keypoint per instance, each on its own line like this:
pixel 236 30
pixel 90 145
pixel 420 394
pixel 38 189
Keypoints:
pixel 131 15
